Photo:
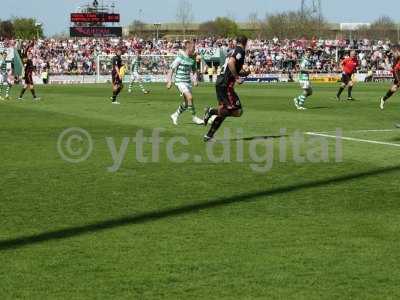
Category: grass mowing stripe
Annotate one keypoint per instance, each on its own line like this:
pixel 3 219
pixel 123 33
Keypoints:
pixel 188 209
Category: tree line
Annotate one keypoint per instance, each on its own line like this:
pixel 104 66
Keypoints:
pixel 21 28
pixel 295 25
pixel 285 25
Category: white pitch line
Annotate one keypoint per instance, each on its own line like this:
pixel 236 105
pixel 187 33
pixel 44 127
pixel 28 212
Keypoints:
pixel 352 139
pixel 363 130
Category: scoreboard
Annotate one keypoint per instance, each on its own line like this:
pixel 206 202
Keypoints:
pixel 95 18
pixel 97 22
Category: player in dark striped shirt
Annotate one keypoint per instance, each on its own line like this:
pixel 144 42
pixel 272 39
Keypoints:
pixel 396 75
pixel 117 85
pixel 29 69
pixel 229 104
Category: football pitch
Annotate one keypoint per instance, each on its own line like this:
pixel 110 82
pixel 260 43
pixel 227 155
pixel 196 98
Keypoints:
pixel 203 222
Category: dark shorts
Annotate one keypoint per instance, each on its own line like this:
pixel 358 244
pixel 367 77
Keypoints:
pixel 346 78
pixel 227 96
pixel 29 79
pixel 115 78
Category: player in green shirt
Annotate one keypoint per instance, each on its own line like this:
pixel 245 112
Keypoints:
pixel 3 74
pixel 184 68
pixel 135 74
pixel 304 79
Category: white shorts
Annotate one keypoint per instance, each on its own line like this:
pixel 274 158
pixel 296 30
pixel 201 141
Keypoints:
pixel 3 79
pixel 184 88
pixel 136 77
pixel 305 84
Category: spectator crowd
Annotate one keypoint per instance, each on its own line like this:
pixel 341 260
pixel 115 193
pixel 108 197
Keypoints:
pixel 79 56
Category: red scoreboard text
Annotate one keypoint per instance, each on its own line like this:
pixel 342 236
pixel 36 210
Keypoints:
pixel 94 18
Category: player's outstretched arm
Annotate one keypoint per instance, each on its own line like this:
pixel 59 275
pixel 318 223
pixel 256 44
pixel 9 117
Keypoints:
pixel 232 67
pixel 171 72
pixel 169 78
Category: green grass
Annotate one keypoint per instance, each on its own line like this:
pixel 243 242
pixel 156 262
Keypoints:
pixel 164 230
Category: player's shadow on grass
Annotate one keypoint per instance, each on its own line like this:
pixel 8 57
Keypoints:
pixel 260 137
pixel 183 210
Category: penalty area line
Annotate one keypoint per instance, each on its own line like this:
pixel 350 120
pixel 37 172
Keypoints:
pixel 360 131
pixel 352 139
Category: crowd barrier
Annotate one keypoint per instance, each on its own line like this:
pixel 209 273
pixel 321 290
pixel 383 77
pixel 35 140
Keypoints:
pixel 258 78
